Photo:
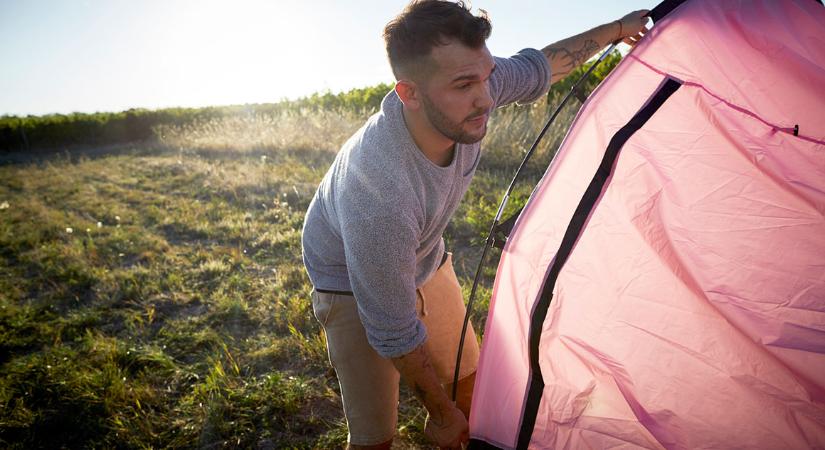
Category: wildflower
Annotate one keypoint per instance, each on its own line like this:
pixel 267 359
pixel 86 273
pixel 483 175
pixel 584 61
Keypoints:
pixel 99 224
pixel 117 218
pixel 88 230
pixel 4 205
pixel 263 159
pixel 69 230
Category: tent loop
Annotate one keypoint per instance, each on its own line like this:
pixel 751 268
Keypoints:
pixel 494 237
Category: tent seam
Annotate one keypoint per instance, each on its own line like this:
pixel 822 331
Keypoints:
pixel 774 127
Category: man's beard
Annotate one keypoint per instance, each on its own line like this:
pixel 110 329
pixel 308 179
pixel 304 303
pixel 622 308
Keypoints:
pixel 447 127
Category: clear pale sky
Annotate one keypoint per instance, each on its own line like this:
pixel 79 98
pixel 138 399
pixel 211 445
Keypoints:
pixel 111 55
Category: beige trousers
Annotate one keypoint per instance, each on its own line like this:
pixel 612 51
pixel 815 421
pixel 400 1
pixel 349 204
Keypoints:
pixel 369 383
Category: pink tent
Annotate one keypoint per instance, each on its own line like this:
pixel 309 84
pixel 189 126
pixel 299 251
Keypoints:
pixel 664 287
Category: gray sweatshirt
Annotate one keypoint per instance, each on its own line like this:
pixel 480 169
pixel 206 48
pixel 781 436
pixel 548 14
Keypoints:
pixel 375 224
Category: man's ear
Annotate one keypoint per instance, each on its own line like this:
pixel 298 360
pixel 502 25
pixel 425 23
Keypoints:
pixel 408 93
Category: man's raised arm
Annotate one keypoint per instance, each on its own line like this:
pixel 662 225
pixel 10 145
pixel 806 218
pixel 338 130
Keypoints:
pixel 566 55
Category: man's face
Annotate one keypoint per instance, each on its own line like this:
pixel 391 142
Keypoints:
pixel 456 94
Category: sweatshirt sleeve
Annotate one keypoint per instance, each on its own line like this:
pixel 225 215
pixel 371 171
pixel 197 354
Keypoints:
pixel 380 255
pixel 522 78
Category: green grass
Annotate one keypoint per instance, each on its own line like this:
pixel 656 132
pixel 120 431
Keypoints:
pixel 154 296
pixel 158 301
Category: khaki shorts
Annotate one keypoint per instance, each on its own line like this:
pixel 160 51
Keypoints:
pixel 369 383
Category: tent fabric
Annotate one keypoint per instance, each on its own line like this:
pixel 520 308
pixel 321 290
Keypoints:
pixel 664 286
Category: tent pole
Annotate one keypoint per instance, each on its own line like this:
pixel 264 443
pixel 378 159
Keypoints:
pixel 490 236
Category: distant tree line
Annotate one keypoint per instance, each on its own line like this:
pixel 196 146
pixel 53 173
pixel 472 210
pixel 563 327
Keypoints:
pixel 105 128
pixel 63 130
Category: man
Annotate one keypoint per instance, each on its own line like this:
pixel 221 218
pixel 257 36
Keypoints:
pixel 385 290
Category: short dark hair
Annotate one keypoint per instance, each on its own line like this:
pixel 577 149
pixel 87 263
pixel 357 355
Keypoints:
pixel 425 24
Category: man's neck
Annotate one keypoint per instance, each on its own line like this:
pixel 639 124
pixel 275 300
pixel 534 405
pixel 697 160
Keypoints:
pixel 435 146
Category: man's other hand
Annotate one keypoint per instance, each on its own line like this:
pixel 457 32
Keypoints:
pixel 451 432
pixel 633 26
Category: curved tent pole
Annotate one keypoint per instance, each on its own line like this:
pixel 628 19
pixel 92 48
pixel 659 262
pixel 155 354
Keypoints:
pixel 490 236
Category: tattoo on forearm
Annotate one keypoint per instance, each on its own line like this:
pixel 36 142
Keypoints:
pixel 419 390
pixel 565 60
pixel 416 369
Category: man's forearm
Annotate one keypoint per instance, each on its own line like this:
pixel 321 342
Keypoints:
pixel 566 55
pixel 446 425
pixel 419 374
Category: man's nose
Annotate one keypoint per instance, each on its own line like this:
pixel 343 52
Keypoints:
pixel 484 100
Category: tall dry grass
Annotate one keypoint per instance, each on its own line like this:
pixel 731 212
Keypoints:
pixel 511 131
pixel 297 129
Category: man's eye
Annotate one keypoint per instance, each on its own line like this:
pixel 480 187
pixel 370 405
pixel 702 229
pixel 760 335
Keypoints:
pixel 463 86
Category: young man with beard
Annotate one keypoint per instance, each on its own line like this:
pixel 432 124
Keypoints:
pixel 384 287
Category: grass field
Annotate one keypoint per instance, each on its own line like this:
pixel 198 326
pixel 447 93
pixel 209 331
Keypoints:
pixel 153 295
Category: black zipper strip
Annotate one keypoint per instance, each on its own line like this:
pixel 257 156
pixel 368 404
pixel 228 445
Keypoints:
pixel 574 230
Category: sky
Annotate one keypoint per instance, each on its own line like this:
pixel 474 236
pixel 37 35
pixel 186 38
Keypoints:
pixel 66 56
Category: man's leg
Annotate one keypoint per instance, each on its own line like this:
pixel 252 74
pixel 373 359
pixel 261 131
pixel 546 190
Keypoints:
pixel 464 393
pixel 369 383
pixel 441 307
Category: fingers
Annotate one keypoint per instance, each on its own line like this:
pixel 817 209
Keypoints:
pixel 639 16
pixel 634 39
pixel 460 442
pixel 634 26
pixel 452 433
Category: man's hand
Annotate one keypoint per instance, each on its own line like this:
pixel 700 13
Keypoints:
pixel 632 27
pixel 450 432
